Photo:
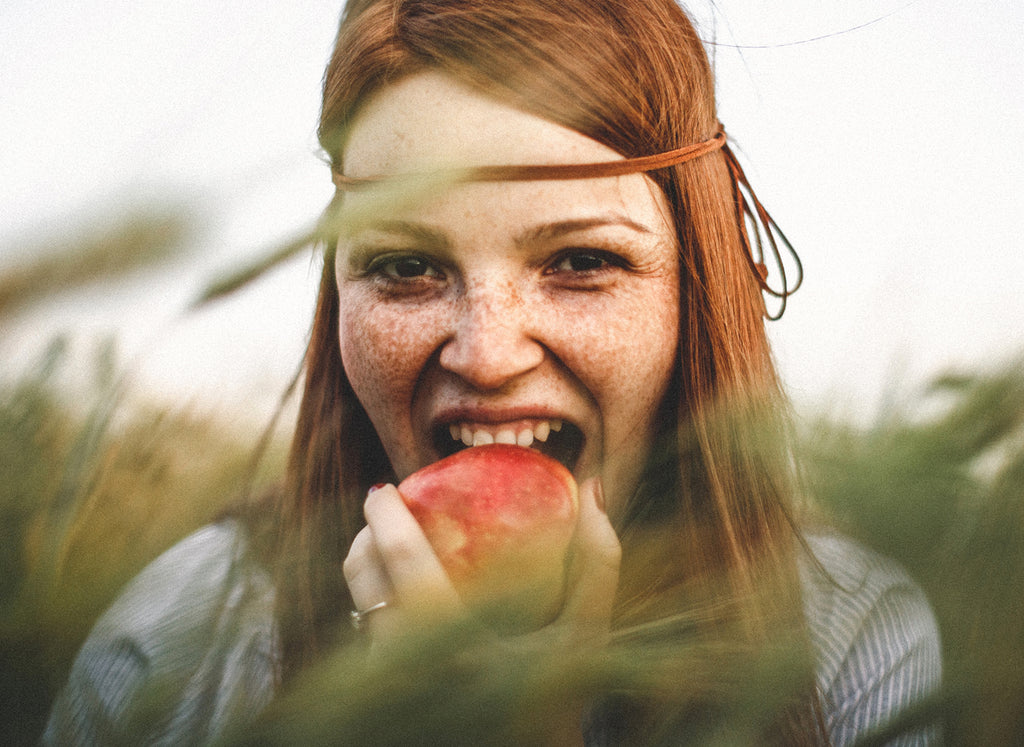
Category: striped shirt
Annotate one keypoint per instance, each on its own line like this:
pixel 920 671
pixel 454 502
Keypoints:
pixel 875 636
pixel 189 648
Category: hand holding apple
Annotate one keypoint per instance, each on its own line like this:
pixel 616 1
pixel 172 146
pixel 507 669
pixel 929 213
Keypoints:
pixel 500 519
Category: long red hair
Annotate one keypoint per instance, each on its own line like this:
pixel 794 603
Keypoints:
pixel 633 75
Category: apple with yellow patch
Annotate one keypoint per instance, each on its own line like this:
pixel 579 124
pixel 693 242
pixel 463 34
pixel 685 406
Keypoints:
pixel 500 519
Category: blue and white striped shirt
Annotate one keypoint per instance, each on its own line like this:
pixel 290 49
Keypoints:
pixel 875 636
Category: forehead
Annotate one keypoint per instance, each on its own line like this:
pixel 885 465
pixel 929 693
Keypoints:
pixel 430 121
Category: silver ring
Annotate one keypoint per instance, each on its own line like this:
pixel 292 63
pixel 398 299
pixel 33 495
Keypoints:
pixel 359 616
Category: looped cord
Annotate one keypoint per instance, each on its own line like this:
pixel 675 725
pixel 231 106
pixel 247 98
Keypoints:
pixel 748 208
pixel 754 212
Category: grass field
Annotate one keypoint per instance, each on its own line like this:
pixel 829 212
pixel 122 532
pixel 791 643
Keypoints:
pixel 92 489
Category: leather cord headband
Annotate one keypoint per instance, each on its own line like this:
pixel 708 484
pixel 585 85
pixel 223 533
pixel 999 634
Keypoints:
pixel 749 209
pixel 558 172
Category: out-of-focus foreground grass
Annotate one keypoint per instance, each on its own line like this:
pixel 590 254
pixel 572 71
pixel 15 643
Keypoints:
pixel 90 488
pixel 87 498
pixel 90 491
pixel 937 482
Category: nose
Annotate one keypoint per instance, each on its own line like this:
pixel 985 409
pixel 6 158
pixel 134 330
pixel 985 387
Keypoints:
pixel 492 340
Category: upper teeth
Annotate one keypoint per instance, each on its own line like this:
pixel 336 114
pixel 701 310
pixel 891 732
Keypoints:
pixel 522 434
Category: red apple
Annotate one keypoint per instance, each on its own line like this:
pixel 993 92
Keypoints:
pixel 500 518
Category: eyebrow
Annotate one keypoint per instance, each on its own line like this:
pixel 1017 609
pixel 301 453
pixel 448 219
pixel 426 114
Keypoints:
pixel 421 233
pixel 544 232
pixel 558 229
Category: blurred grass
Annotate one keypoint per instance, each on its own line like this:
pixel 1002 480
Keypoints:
pixel 115 243
pixel 937 482
pixel 86 500
pixel 92 489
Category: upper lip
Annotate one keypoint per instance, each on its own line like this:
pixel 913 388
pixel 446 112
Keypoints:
pixel 495 415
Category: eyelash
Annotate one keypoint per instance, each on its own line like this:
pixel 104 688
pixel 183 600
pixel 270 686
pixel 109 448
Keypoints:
pixel 607 261
pixel 378 268
pixel 384 268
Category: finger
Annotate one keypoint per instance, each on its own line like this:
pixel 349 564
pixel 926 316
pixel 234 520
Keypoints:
pixel 594 565
pixel 368 585
pixel 412 567
pixel 364 572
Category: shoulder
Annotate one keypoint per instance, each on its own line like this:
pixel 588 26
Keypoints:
pixel 874 632
pixel 189 644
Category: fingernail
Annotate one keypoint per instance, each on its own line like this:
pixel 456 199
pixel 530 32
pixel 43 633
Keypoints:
pixel 378 486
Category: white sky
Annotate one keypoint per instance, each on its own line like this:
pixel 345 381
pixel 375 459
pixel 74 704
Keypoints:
pixel 892 156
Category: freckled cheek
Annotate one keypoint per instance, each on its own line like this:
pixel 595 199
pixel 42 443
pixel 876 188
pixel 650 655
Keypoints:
pixel 384 351
pixel 639 354
pixel 627 360
pixel 630 347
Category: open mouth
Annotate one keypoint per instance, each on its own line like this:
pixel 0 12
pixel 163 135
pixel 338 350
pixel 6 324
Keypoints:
pixel 557 439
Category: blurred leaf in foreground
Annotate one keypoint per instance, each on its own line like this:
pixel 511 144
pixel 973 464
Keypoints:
pixel 337 219
pixel 121 241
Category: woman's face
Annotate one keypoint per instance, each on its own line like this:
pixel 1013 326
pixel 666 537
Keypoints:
pixel 544 313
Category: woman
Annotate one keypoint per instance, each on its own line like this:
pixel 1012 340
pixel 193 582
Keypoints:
pixel 620 302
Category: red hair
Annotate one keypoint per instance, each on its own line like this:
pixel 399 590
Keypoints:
pixel 633 75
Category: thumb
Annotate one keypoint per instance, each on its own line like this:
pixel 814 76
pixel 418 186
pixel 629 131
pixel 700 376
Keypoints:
pixel 593 574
